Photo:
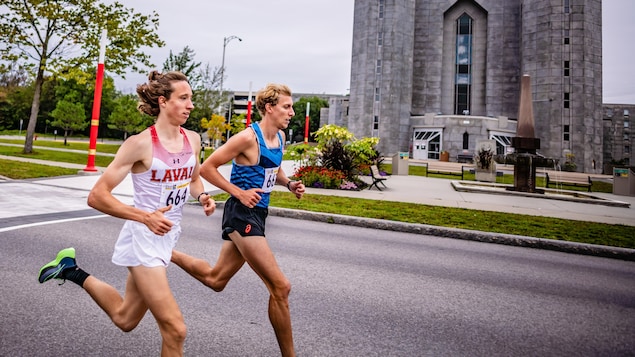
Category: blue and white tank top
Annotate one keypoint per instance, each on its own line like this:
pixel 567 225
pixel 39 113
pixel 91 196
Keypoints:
pixel 167 182
pixel 264 173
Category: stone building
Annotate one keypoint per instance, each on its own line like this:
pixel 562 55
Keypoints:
pixel 618 136
pixel 440 75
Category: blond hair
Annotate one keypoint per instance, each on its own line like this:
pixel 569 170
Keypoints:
pixel 270 94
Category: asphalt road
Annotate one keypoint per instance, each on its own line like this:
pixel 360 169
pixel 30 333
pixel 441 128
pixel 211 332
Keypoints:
pixel 356 292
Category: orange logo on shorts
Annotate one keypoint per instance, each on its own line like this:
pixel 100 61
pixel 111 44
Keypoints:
pixel 248 228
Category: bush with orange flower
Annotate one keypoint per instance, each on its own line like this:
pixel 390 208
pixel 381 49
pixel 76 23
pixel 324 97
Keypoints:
pixel 337 159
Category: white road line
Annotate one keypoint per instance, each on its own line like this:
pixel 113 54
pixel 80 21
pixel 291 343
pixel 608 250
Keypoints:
pixel 6 229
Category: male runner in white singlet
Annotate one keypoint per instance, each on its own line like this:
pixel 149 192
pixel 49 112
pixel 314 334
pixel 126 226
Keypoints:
pixel 164 168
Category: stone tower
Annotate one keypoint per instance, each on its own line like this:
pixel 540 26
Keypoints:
pixel 438 64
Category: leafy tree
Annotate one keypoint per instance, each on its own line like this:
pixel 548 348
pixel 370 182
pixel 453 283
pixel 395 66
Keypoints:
pixel 205 84
pixel 215 127
pixel 184 63
pixel 238 123
pixel 13 87
pixel 82 93
pixel 207 96
pixel 127 118
pixel 13 75
pixel 69 115
pixel 62 37
pixel 299 119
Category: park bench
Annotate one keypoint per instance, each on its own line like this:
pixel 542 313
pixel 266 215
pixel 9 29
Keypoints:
pixel 377 178
pixel 465 158
pixel 444 168
pixel 564 178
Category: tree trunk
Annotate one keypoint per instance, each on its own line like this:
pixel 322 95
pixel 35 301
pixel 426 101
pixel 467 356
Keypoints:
pixel 35 110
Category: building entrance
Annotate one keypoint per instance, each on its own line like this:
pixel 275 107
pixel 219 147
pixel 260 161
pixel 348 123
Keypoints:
pixel 426 144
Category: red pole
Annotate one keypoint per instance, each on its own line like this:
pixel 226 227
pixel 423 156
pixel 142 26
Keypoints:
pixel 306 124
pixel 94 122
pixel 249 108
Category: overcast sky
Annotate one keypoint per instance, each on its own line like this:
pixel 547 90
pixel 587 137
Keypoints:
pixel 306 44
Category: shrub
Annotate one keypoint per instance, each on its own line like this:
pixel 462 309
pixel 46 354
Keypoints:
pixel 320 177
pixel 483 158
pixel 336 160
pixel 336 157
pixel 569 164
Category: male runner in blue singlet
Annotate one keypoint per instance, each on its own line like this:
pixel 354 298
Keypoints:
pixel 257 154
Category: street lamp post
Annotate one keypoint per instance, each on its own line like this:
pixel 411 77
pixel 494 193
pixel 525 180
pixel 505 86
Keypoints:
pixel 226 40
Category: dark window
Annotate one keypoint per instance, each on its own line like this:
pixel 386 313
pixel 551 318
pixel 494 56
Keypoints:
pixel 376 123
pixel 566 68
pixel 466 141
pixel 463 60
pixel 464 25
pixel 462 98
pixel 566 100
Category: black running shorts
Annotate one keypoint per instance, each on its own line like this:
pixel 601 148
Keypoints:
pixel 247 221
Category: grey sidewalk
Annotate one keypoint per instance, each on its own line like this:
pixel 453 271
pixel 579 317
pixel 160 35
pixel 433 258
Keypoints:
pixel 414 189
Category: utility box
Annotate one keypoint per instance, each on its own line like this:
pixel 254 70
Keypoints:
pixel 624 181
pixel 400 163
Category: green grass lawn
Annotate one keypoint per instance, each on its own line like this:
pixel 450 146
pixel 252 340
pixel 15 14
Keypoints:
pixel 51 155
pixel 509 223
pixel 71 145
pixel 17 170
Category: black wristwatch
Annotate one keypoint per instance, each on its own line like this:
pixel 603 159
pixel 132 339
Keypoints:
pixel 201 194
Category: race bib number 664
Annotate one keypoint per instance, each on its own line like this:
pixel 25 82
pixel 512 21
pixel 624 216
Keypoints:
pixel 174 194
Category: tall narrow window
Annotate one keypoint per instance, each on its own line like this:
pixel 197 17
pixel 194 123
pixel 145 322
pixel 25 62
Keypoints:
pixel 566 100
pixel 566 37
pixel 567 7
pixel 378 67
pixel 380 38
pixel 376 123
pixel 566 133
pixel 566 68
pixel 466 141
pixel 463 70
pixel 377 95
pixel 381 9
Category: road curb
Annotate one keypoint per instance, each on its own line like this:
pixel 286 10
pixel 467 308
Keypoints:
pixel 479 236
pixel 456 233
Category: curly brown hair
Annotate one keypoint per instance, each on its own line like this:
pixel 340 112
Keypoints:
pixel 269 94
pixel 158 85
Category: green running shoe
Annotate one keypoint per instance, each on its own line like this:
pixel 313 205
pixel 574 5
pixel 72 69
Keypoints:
pixel 65 260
